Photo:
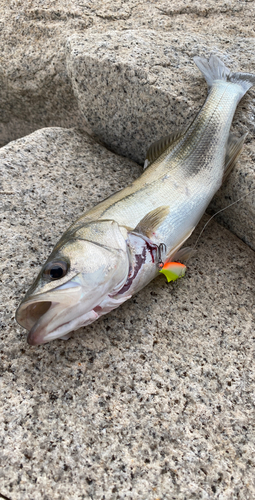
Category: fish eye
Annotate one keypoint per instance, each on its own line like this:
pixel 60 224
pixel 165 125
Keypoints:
pixel 55 270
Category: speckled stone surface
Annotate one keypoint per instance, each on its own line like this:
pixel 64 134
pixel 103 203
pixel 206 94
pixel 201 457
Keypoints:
pixel 35 88
pixel 136 86
pixel 156 400
pixel 123 71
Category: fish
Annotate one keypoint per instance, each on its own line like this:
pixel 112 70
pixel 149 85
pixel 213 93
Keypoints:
pixel 116 248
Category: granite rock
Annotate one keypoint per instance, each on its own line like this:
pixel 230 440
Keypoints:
pixel 134 87
pixel 35 88
pixel 123 71
pixel 153 401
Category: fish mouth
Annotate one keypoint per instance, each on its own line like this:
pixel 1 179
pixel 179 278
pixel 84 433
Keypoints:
pixel 48 319
pixel 28 314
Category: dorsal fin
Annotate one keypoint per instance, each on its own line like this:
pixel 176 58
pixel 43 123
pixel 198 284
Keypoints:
pixel 234 148
pixel 148 225
pixel 157 148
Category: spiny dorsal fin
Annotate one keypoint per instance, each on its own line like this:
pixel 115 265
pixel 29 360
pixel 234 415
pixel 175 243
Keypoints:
pixel 234 148
pixel 148 225
pixel 157 148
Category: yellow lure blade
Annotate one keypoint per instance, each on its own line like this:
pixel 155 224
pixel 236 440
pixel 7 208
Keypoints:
pixel 173 270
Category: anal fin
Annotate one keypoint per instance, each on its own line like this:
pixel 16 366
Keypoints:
pixel 234 148
pixel 184 254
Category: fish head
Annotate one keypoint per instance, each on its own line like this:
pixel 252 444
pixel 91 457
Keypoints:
pixel 89 263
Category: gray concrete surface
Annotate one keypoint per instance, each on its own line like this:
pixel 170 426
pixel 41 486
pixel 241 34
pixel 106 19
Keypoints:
pixel 156 400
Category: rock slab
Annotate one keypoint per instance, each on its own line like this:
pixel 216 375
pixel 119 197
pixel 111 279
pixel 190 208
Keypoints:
pixel 123 71
pixel 155 400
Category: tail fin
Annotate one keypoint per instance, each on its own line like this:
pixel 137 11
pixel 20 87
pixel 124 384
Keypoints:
pixel 215 69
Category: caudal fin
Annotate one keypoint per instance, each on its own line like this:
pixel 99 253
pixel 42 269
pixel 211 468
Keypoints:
pixel 214 69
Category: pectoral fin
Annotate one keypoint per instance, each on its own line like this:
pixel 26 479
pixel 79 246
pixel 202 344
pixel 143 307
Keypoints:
pixel 157 148
pixel 173 270
pixel 148 225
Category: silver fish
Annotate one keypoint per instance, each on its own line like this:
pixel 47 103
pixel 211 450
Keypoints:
pixel 119 246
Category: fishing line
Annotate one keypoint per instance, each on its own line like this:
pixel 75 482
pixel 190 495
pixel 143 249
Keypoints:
pixel 217 213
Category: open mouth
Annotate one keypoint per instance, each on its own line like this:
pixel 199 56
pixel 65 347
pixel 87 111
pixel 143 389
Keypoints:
pixel 36 315
pixel 47 320
pixel 53 315
pixel 28 315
